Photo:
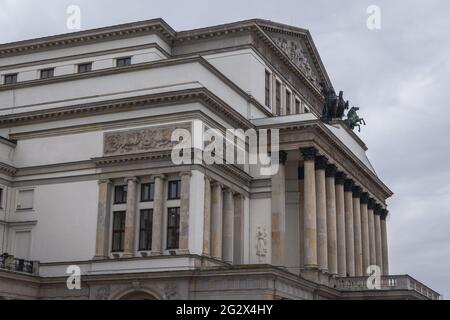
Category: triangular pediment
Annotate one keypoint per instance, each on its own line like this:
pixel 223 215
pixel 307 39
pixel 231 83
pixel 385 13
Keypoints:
pixel 298 46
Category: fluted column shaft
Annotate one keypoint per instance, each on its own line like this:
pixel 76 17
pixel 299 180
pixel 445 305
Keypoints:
pixel 378 242
pixel 371 220
pixel 130 217
pixel 349 228
pixel 184 210
pixel 216 220
pixel 331 219
pixel 228 225
pixel 365 232
pixel 340 224
pixel 309 213
pixel 278 213
pixel 207 218
pixel 357 231
pixel 384 243
pixel 158 207
pixel 103 219
pixel 321 198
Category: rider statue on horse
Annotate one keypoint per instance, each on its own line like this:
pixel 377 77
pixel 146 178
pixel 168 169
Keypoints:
pixel 334 108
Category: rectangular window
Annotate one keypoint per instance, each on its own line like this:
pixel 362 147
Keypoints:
pixel 145 229
pixel 174 190
pixel 121 62
pixel 120 194
pixel 297 106
pixel 47 73
pixel 288 102
pixel 10 78
pixel 84 67
pixel 118 233
pixel 278 98
pixel 173 228
pixel 268 77
pixel 1 198
pixel 147 192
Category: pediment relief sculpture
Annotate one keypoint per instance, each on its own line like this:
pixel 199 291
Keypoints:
pixel 295 52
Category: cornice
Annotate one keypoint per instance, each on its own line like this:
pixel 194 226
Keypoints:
pixel 7 169
pixel 94 35
pixel 202 95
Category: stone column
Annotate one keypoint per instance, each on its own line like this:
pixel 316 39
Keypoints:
pixel 130 217
pixel 228 224
pixel 207 218
pixel 301 215
pixel 184 211
pixel 331 219
pixel 158 207
pixel 384 242
pixel 321 198
pixel 357 231
pixel 349 228
pixel 365 232
pixel 278 216
pixel 372 246
pixel 238 251
pixel 340 224
pixel 309 212
pixel 378 242
pixel 103 219
pixel 216 220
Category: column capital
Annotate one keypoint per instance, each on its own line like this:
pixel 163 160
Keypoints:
pixel 384 214
pixel 348 185
pixel 371 204
pixel 301 173
pixel 308 154
pixel 377 209
pixel 216 184
pixel 356 191
pixel 321 163
pixel 364 198
pixel 340 178
pixel 185 173
pixel 104 181
pixel 330 171
pixel 160 176
pixel 131 179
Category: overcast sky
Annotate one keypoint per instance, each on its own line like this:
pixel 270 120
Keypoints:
pixel 399 76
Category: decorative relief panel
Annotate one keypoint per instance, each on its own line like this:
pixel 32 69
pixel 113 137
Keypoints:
pixel 298 56
pixel 141 140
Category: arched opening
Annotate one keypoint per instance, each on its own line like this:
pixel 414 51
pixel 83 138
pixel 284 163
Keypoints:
pixel 138 295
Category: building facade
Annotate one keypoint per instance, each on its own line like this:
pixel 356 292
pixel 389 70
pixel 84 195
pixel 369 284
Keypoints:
pixel 88 181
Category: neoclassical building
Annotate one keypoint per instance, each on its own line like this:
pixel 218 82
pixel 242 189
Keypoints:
pixel 87 179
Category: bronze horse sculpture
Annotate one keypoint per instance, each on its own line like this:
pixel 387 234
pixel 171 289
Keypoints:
pixel 353 120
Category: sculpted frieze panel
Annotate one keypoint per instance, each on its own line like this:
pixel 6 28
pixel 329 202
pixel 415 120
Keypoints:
pixel 140 140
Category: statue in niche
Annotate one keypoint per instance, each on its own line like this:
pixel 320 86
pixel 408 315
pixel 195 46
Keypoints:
pixel 261 243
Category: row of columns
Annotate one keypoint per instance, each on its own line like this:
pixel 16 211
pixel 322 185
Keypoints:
pixel 223 222
pixel 344 229
pixel 131 215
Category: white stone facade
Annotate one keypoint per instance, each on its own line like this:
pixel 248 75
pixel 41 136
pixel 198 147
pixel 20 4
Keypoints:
pixel 68 141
